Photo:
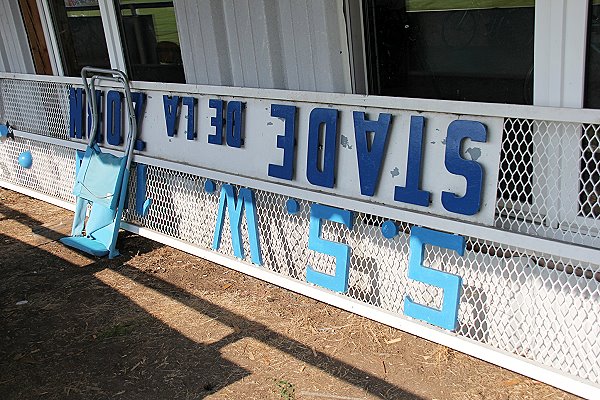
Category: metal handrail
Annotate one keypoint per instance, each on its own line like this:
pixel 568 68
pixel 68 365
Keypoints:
pixel 113 75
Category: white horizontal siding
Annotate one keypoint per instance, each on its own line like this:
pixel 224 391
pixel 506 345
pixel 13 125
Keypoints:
pixel 285 44
pixel 15 55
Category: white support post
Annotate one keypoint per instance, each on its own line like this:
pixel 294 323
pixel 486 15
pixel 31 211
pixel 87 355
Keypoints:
pixel 576 26
pixel 50 36
pixel 356 45
pixel 114 42
pixel 559 55
pixel 559 79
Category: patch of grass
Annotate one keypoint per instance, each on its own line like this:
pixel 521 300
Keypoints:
pixel 286 390
pixel 115 330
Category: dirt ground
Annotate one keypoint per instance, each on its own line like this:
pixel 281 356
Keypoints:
pixel 156 323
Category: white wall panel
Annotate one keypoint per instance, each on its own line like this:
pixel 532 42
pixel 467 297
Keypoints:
pixel 287 44
pixel 15 55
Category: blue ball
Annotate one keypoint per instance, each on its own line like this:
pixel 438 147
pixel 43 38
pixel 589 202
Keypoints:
pixel 209 186
pixel 25 159
pixel 389 229
pixel 292 206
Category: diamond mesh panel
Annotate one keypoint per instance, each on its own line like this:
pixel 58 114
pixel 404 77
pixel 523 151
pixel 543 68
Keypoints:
pixel 52 171
pixel 549 180
pixel 541 307
pixel 36 107
pixel 538 306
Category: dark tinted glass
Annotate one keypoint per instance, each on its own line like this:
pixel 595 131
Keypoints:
pixel 474 50
pixel 589 164
pixel 151 40
pixel 592 81
pixel 80 35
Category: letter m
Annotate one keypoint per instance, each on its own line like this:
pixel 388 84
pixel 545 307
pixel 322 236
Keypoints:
pixel 245 201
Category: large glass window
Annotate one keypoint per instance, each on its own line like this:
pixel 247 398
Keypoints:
pixel 80 35
pixel 473 50
pixel 151 41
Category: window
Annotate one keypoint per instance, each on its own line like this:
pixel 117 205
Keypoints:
pixel 589 177
pixel 151 41
pixel 473 50
pixel 592 79
pixel 79 34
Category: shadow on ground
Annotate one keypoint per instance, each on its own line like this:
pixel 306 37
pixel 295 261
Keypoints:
pixel 78 337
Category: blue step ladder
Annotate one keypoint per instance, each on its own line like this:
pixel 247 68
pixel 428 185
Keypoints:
pixel 102 179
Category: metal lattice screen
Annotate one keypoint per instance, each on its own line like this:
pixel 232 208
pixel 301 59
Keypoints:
pixel 549 180
pixel 36 107
pixel 539 306
pixel 52 174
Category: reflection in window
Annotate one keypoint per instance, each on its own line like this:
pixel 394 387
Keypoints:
pixel 80 35
pixel 473 50
pixel 151 40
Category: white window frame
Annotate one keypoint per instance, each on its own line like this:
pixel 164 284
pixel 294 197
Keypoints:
pixel 356 45
pixel 110 23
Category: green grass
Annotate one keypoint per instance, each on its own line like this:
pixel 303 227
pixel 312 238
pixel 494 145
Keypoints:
pixel 165 24
pixel 439 5
pixel 115 330
pixel 285 389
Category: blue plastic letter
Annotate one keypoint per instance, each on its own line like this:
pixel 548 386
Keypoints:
pixel 233 134
pixel 76 112
pixel 370 155
pixel 412 193
pixel 140 187
pixel 245 201
pixel 171 104
pixel 216 121
pixel 287 141
pixel 451 284
pixel 139 100
pixel 324 176
pixel 99 138
pixel 339 281
pixel 470 203
pixel 190 103
pixel 113 118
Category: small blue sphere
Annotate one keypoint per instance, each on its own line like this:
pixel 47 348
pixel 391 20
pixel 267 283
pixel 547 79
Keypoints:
pixel 25 159
pixel 389 229
pixel 292 206
pixel 209 186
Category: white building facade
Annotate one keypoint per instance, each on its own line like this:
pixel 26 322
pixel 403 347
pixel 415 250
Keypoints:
pixel 430 164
